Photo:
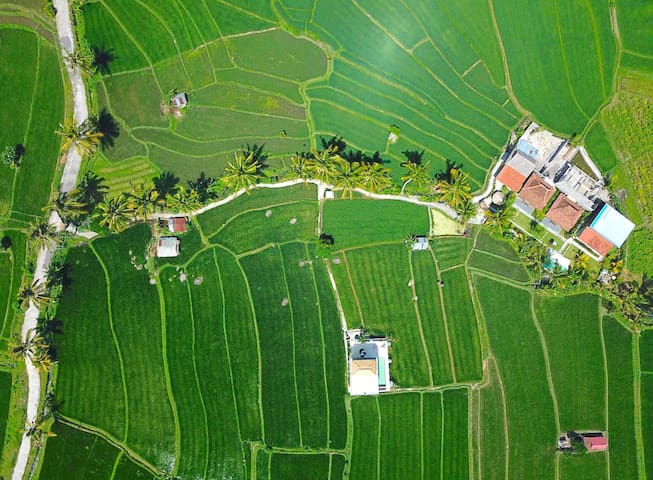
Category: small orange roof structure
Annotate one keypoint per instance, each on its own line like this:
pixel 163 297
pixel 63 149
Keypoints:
pixel 595 241
pixel 511 178
pixel 364 366
pixel 536 192
pixel 596 443
pixel 177 224
pixel 564 212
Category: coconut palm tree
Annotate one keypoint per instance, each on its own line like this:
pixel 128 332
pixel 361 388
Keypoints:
pixel 243 172
pixel 37 430
pixel 347 177
pixel 84 136
pixel 323 164
pixel 92 189
pixel 102 59
pixel 455 191
pixel 69 208
pixel 83 59
pixel 466 211
pixel 43 235
pixel 35 293
pixel 500 222
pixel 113 214
pixel 417 174
pixel 300 166
pixel 143 200
pixel 374 177
pixel 33 342
pixel 108 127
pixel 183 201
pixel 165 184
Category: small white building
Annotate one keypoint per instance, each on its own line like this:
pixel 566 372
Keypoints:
pixel 167 247
pixel 420 242
pixel 369 365
pixel 180 100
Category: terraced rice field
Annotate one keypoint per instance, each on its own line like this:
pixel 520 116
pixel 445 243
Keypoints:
pixel 232 362
pixel 37 108
pixel 439 74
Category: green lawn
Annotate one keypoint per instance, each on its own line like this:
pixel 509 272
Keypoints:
pixel 359 222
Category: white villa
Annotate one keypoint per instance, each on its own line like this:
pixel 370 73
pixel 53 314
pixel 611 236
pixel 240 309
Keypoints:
pixel 369 364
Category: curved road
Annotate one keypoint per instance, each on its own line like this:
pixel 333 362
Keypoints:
pixel 68 182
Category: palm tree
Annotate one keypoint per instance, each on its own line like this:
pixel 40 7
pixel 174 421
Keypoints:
pixel 500 222
pixel 455 191
pixel 43 234
pixel 165 184
pixel 35 293
pixel 92 189
pixel 243 172
pixel 32 343
pixel 347 177
pixel 417 174
pixel 108 127
pixel 113 214
pixel 300 166
pixel 183 201
pixel 466 211
pixel 68 207
pixel 143 200
pixel 375 177
pixel 37 430
pixel 83 59
pixel 83 135
pixel 322 165
pixel 102 59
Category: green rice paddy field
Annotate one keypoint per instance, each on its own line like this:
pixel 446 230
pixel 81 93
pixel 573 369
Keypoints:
pixel 37 108
pixel 232 364
pixel 455 77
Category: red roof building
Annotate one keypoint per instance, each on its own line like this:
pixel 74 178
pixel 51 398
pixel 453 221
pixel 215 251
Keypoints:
pixel 536 192
pixel 511 178
pixel 177 224
pixel 595 443
pixel 595 241
pixel 564 212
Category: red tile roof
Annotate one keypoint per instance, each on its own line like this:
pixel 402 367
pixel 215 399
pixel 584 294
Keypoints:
pixel 178 224
pixel 564 212
pixel 595 241
pixel 511 178
pixel 536 192
pixel 595 444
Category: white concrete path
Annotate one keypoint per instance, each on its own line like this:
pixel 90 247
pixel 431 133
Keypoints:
pixel 68 182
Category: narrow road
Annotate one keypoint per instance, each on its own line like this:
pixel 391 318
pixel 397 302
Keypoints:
pixel 68 182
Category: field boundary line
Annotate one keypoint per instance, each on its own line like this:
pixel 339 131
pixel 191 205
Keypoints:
pixel 421 433
pixel 8 309
pixel 440 126
pixel 248 112
pixel 379 438
pixel 506 420
pixel 258 342
pixel 500 278
pixel 565 63
pixel 294 357
pixel 599 50
pixel 491 254
pixel 547 363
pixel 637 390
pixel 606 396
pixel 197 380
pixel 452 364
pixel 98 432
pixel 427 69
pixel 353 289
pixel 115 337
pixel 136 44
pixel 227 350
pixel 324 368
pixel 166 372
pixel 453 69
pixel 116 462
pixel 419 317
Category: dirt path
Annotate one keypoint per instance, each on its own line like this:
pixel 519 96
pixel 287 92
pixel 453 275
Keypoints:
pixel 68 182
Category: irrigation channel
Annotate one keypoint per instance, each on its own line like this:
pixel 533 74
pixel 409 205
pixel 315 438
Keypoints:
pixel 68 182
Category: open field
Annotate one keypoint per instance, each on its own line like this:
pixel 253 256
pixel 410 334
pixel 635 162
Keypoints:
pixel 5 388
pixel 99 459
pixel 417 436
pixel 37 109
